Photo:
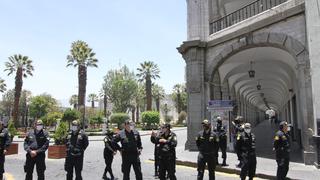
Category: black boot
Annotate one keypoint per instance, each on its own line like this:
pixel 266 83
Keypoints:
pixel 224 163
pixel 104 176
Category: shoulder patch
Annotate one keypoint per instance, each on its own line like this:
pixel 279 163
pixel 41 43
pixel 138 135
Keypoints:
pixel 276 138
pixel 238 137
pixel 284 137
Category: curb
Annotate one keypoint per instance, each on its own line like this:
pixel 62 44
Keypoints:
pixel 224 170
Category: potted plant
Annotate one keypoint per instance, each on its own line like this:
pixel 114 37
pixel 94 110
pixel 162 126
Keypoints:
pixel 13 149
pixel 58 149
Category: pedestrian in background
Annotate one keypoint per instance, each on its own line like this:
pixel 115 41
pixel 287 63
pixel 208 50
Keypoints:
pixel 156 151
pixel 109 151
pixel 221 132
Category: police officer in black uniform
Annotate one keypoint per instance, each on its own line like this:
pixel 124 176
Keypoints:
pixel 237 129
pixel 36 143
pixel 221 131
pixel 77 142
pixel 208 143
pixel 167 141
pixel 281 145
pixel 4 145
pixel 156 152
pixel 131 148
pixel 246 146
pixel 109 151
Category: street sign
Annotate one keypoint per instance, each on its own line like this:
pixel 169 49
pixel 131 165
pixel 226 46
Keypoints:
pixel 220 105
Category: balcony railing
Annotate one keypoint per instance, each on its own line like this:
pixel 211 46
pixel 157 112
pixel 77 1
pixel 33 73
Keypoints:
pixel 245 12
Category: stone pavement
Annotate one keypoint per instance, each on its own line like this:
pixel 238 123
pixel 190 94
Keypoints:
pixel 266 165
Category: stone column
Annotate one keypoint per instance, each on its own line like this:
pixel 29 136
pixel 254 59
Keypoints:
pixel 198 16
pixel 313 40
pixel 194 55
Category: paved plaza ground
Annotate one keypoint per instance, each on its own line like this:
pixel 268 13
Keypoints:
pixel 94 162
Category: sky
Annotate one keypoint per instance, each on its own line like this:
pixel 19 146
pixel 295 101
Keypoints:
pixel 120 32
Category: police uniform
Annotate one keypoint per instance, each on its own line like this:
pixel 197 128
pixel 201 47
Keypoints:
pixel 77 142
pixel 109 149
pixel 281 145
pixel 36 141
pixel 222 134
pixel 130 151
pixel 167 155
pixel 246 148
pixel 237 129
pixel 207 143
pixel 4 145
pixel 156 154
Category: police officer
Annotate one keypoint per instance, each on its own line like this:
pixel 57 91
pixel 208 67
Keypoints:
pixel 131 148
pixel 247 148
pixel 108 153
pixel 221 131
pixel 208 143
pixel 167 141
pixel 77 142
pixel 36 143
pixel 237 129
pixel 4 145
pixel 281 145
pixel 156 152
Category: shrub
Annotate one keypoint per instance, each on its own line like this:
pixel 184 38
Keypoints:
pixel 150 117
pixel 60 136
pixel 182 117
pixel 51 118
pixel 12 130
pixel 119 118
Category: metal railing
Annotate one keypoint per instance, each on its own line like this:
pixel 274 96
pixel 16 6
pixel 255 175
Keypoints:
pixel 245 12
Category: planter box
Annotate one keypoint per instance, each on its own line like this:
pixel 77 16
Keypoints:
pixel 57 151
pixel 13 149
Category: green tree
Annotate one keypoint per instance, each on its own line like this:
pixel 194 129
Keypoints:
pixel 73 101
pixel 51 118
pixel 61 133
pixel 147 71
pixel 70 115
pixel 103 94
pixel 7 102
pixel 179 96
pixel 22 66
pixel 2 85
pixel 158 94
pixel 92 98
pixel 120 86
pixel 41 105
pixel 82 57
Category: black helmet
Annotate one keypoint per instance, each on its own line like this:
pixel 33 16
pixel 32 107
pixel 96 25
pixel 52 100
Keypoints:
pixel 282 124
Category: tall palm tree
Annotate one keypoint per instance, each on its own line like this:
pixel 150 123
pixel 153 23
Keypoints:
pixel 148 70
pixel 103 95
pixel 177 90
pixel 158 94
pixel 2 86
pixel 82 57
pixel 74 101
pixel 22 66
pixel 92 98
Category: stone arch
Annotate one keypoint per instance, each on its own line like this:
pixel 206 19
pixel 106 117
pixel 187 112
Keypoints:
pixel 267 39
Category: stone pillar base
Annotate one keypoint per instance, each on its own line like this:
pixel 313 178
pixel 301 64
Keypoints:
pixel 316 140
pixel 309 157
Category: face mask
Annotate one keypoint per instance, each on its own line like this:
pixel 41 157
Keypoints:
pixel 131 127
pixel 247 131
pixel 74 128
pixel 206 127
pixel 39 127
pixel 289 128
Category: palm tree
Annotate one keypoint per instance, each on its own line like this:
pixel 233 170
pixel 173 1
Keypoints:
pixel 177 90
pixel 103 94
pixel 148 70
pixel 158 94
pixel 82 57
pixel 22 65
pixel 92 98
pixel 74 101
pixel 2 86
